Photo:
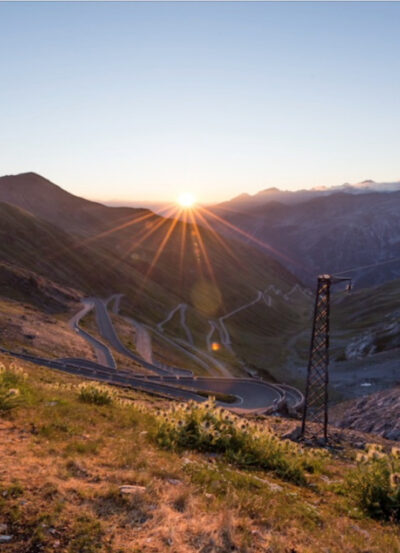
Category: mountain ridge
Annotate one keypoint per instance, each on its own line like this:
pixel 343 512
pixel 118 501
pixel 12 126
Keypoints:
pixel 50 202
pixel 325 234
pixel 289 197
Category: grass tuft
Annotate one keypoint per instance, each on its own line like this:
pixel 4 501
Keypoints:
pixel 375 483
pixel 12 387
pixel 96 394
pixel 208 428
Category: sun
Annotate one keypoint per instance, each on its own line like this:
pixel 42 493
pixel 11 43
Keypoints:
pixel 186 200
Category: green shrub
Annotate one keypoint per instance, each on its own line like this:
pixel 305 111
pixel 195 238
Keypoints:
pixel 375 483
pixel 95 393
pixel 205 427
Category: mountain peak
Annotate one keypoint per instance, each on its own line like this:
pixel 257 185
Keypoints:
pixel 26 180
pixel 241 197
pixel 24 176
pixel 271 190
pixel 367 182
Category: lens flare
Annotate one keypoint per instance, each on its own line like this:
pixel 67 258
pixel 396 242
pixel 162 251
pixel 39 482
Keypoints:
pixel 215 346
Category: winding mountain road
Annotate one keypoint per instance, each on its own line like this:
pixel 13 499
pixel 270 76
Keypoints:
pixel 103 353
pixel 182 307
pixel 252 395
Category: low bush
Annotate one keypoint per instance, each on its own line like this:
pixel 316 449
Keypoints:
pixel 375 483
pixel 205 427
pixel 96 394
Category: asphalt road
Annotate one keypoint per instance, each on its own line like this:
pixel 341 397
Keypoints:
pixel 252 395
pixel 103 353
pixel 107 332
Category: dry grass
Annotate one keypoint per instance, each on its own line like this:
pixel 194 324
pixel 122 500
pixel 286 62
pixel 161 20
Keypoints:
pixel 63 462
pixel 23 326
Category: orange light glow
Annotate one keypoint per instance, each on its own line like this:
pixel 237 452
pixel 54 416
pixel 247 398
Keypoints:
pixel 186 200
pixel 215 346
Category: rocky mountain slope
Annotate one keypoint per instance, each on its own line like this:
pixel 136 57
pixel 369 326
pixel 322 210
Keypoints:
pixel 364 342
pixel 376 413
pixel 325 234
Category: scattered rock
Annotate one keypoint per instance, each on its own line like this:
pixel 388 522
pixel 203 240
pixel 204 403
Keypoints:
pixel 377 413
pixel 271 485
pixel 174 481
pixel 132 489
pixel 5 539
pixel 293 435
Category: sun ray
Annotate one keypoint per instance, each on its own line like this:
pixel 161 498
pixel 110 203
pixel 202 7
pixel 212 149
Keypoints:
pixel 87 241
pixel 202 247
pixel 158 253
pixel 164 242
pixel 144 235
pixel 251 238
pixel 183 243
pixel 217 236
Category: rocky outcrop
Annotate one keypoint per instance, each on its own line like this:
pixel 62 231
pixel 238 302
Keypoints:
pixel 376 414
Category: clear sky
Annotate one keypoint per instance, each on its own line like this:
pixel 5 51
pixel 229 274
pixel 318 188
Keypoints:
pixel 143 101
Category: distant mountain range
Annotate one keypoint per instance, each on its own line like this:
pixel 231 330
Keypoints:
pixel 298 196
pixel 322 231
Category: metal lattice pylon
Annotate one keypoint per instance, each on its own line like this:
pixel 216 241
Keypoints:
pixel 316 396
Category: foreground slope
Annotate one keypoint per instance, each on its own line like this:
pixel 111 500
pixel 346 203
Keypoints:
pixel 93 478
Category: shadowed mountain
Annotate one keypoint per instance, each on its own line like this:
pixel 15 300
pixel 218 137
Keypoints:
pixel 327 234
pixel 157 263
pixel 48 201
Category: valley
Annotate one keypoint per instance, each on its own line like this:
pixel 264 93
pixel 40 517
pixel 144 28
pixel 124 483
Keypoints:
pixel 120 321
pixel 199 277
pixel 217 313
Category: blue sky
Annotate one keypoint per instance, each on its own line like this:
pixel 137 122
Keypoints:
pixel 143 101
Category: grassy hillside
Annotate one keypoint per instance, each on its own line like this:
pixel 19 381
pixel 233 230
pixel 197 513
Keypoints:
pixel 372 313
pixel 95 474
pixel 270 336
pixel 156 263
pixel 364 342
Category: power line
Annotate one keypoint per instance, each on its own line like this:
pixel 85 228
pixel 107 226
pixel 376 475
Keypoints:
pixel 367 266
